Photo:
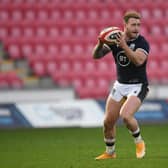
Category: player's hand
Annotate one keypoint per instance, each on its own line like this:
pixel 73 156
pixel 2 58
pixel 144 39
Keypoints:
pixel 121 40
pixel 100 42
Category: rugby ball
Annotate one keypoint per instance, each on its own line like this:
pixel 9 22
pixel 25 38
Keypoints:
pixel 108 35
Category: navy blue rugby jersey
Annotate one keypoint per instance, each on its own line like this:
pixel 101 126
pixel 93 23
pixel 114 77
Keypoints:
pixel 128 72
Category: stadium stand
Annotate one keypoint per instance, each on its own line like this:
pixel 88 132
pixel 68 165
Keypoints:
pixel 54 38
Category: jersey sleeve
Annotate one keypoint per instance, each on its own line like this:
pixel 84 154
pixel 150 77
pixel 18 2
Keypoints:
pixel 144 46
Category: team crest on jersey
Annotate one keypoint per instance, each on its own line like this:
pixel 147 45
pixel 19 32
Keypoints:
pixel 122 59
pixel 132 46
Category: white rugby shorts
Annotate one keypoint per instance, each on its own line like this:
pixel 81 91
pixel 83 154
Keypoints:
pixel 121 90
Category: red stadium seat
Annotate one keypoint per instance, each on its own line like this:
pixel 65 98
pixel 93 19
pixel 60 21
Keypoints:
pixel 87 90
pixel 63 79
pixel 16 32
pixel 38 66
pixel 17 15
pixel 105 14
pixel 51 68
pixel 53 49
pixel 3 33
pixel 10 80
pixel 28 32
pixel 40 49
pixel 42 14
pixel 77 66
pixel 157 13
pixel 53 32
pixel 102 66
pixel 3 81
pixel 164 50
pixel 30 15
pixel 90 66
pixel 146 13
pixel 80 14
pixel 27 50
pixel 41 32
pixel 78 83
pixel 14 51
pixel 155 50
pixel 102 88
pixel 67 32
pixel 93 88
pixel 4 15
pixel 14 81
pixel 65 66
pixel 156 31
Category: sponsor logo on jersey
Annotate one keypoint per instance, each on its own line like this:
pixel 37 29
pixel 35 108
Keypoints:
pixel 132 46
pixel 122 59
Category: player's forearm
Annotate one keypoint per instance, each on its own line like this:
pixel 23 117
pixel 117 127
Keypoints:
pixel 99 51
pixel 133 56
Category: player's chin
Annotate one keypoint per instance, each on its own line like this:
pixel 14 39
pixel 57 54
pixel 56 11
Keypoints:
pixel 134 35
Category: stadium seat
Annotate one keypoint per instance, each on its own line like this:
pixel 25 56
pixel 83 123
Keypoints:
pixel 77 66
pixel 27 50
pixel 40 49
pixel 53 49
pixel 162 73
pixel 14 81
pixel 3 81
pixel 157 13
pixel 90 66
pixel 37 65
pixel 16 32
pixel 88 90
pixel 105 14
pixel 67 32
pixel 14 52
pixel 4 15
pixel 53 32
pixel 30 15
pixel 164 51
pixel 146 13
pixel 41 32
pixel 92 88
pixel 28 32
pixel 80 14
pixel 102 66
pixel 3 33
pixel 42 14
pixel 102 88
pixel 156 31
pixel 51 67
pixel 154 49
pixel 63 79
pixel 78 82
pixel 17 15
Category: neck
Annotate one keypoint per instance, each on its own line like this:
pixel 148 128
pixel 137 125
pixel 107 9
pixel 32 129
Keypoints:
pixel 128 38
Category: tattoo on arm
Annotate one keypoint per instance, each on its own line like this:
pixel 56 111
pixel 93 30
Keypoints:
pixel 100 51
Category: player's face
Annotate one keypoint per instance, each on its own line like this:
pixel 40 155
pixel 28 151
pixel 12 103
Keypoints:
pixel 132 28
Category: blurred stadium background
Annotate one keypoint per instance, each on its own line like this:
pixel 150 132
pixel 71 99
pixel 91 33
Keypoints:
pixel 47 75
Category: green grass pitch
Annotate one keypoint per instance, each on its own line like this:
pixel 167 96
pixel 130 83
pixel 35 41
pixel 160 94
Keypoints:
pixel 77 148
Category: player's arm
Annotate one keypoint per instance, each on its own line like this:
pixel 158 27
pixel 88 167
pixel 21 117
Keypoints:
pixel 100 50
pixel 138 56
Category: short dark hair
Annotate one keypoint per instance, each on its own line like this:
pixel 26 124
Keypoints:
pixel 131 14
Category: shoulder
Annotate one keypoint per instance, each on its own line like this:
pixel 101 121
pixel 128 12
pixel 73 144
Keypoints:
pixel 141 42
pixel 142 39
